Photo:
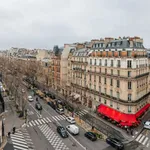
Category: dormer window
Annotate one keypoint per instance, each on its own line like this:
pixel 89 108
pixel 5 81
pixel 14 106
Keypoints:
pixel 113 44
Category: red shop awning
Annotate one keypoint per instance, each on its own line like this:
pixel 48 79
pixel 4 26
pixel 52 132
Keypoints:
pixel 116 115
pixel 126 124
pixel 142 111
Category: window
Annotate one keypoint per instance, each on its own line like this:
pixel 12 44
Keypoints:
pixel 105 90
pixel 100 62
pixel 90 77
pixel 111 82
pixel 105 71
pixel 94 78
pixel 111 103
pixel 95 87
pixel 99 70
pixel 112 53
pixel 90 86
pixel 99 99
pixel 118 106
pixel 111 93
pixel 105 62
pixel 118 63
pixel 104 80
pixel 129 53
pixel 118 95
pixel 99 79
pixel 129 108
pixel 129 97
pixel 95 69
pixel 105 102
pixel 129 73
pixel 129 63
pixel 112 64
pixel 107 53
pixel 99 89
pixel 129 85
pixel 95 62
pixel 119 53
pixel 46 64
pixel 111 71
pixel 90 61
pixel 118 83
pixel 118 72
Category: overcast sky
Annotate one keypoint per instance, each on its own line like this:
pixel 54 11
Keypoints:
pixel 45 23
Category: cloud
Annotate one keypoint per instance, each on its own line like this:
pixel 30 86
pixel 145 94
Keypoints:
pixel 44 23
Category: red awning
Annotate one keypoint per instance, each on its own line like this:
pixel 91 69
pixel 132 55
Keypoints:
pixel 116 115
pixel 141 111
pixel 126 124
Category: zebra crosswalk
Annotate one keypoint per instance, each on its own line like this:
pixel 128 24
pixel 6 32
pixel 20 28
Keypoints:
pixel 45 120
pixel 30 112
pixel 21 142
pixel 82 112
pixel 53 139
pixel 144 140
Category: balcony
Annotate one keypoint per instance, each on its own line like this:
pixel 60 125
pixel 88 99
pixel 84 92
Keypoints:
pixel 142 75
pixel 79 70
pixel 79 62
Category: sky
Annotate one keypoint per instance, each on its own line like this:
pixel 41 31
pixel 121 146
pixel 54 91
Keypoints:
pixel 45 23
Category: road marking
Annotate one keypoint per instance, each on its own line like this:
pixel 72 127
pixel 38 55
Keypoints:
pixel 18 141
pixel 42 120
pixel 48 119
pixel 147 145
pixel 30 124
pixel 146 139
pixel 36 122
pixel 39 121
pixel 33 123
pixel 54 118
pixel 141 138
pixel 38 114
pixel 25 146
pixel 45 120
pixel 20 148
pixel 137 139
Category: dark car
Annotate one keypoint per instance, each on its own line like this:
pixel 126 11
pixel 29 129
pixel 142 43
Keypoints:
pixel 62 131
pixel 115 143
pixel 91 136
pixel 38 106
pixel 52 105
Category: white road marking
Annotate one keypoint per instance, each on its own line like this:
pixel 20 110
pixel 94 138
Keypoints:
pixel 141 138
pixel 36 122
pixel 54 118
pixel 146 139
pixel 33 123
pixel 147 145
pixel 42 120
pixel 39 121
pixel 25 146
pixel 20 148
pixel 48 119
pixel 137 139
pixel 30 124
pixel 45 120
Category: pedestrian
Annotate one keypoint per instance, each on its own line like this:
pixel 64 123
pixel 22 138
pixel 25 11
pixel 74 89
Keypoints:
pixel 8 134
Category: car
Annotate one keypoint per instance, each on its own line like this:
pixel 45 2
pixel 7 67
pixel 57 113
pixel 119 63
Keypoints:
pixel 60 111
pixel 91 136
pixel 62 131
pixel 38 106
pixel 30 98
pixel 147 125
pixel 114 142
pixel 73 129
pixel 52 105
pixel 71 120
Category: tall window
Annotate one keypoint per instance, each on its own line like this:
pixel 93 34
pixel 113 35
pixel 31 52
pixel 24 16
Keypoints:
pixel 129 63
pixel 104 80
pixel 111 103
pixel 95 69
pixel 95 62
pixel 118 107
pixel 111 82
pixel 105 71
pixel 99 70
pixel 111 93
pixel 105 102
pixel 105 62
pixel 112 64
pixel 90 86
pixel 100 62
pixel 129 85
pixel 99 79
pixel 129 73
pixel 129 53
pixel 90 77
pixel 99 89
pixel 105 90
pixel 129 108
pixel 118 83
pixel 118 72
pixel 90 61
pixel 95 87
pixel 118 95
pixel 118 63
pixel 94 78
pixel 111 71
pixel 129 97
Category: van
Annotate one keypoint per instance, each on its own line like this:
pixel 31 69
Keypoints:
pixel 147 125
pixel 73 129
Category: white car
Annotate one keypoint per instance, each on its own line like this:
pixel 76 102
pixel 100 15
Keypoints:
pixel 147 125
pixel 73 129
pixel 71 120
pixel 30 98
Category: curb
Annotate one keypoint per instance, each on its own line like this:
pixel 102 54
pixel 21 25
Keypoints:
pixel 4 143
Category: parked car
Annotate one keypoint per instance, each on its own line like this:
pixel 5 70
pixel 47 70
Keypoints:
pixel 71 120
pixel 60 111
pixel 91 136
pixel 52 105
pixel 73 129
pixel 30 99
pixel 147 125
pixel 62 131
pixel 38 106
pixel 115 143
